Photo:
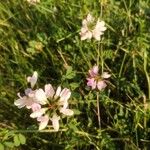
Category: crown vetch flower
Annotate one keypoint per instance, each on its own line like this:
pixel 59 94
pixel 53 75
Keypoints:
pixel 89 29
pixel 95 80
pixel 53 102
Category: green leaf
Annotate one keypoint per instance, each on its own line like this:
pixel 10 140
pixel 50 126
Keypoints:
pixel 70 73
pixel 9 144
pixel 22 139
pixel 1 146
pixel 31 50
pixel 74 85
pixel 76 111
pixel 16 140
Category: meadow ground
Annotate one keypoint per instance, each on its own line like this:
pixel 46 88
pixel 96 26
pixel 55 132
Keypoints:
pixel 46 37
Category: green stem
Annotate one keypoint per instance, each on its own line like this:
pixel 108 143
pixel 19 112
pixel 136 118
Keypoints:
pixel 146 73
pixel 84 57
pixel 121 68
pixel 98 111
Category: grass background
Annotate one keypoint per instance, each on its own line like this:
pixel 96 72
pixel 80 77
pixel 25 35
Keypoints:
pixel 45 37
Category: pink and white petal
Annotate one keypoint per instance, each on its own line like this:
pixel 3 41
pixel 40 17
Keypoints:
pixel 67 112
pixel 40 97
pixel 20 103
pixel 96 35
pixel 55 122
pixel 49 91
pixel 105 75
pixel 84 29
pixel 58 91
pixel 43 121
pixel 101 85
pixel 94 71
pixel 91 82
pixel 28 91
pixel 86 35
pixel 33 79
pixel 38 113
pixel 35 107
pixel 84 23
pixel 65 94
pixel 100 26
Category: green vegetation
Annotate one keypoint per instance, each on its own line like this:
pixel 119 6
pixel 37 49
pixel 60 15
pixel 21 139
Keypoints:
pixel 45 38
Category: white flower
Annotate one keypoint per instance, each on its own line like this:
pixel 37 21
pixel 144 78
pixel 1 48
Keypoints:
pixel 55 122
pixel 88 30
pixel 43 121
pixel 32 80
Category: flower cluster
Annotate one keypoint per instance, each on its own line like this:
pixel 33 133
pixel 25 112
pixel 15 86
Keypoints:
pixel 95 80
pixel 90 29
pixel 45 104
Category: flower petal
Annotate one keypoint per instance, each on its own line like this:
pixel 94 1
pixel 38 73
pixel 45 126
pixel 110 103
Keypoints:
pixel 35 107
pixel 94 71
pixel 49 91
pixel 91 82
pixel 101 85
pixel 20 103
pixel 99 29
pixel 67 112
pixel 33 79
pixel 43 121
pixel 55 122
pixel 105 75
pixel 65 94
pixel 58 91
pixel 38 113
pixel 40 97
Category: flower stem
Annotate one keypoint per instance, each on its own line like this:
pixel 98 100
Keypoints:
pixel 98 111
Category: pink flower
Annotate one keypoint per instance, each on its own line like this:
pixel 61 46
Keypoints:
pixel 88 30
pixel 94 80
